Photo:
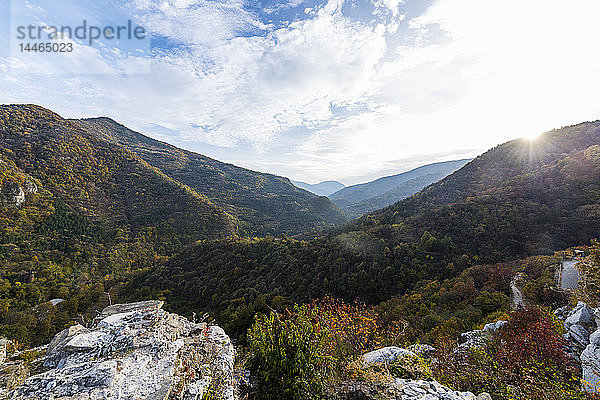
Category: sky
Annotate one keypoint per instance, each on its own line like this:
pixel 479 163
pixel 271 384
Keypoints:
pixel 347 90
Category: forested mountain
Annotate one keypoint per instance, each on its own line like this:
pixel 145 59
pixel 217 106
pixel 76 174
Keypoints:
pixel 77 216
pixel 360 199
pixel 104 182
pixel 518 199
pixel 522 197
pixel 80 212
pixel 263 203
pixel 324 188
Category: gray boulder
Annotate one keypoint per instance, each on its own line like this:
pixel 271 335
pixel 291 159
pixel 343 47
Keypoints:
pixel 135 351
pixel 590 361
pixel 581 315
pixel 62 336
pixel 386 355
pixel 478 337
pixel 579 323
pixel 579 335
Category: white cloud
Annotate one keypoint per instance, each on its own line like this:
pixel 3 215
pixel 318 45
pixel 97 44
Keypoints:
pixel 195 22
pixel 392 5
pixel 483 72
pixel 466 75
pixel 251 89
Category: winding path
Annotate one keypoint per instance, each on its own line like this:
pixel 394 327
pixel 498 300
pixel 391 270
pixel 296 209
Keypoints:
pixel 517 295
pixel 568 276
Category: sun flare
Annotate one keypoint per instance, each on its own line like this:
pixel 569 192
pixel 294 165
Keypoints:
pixel 532 136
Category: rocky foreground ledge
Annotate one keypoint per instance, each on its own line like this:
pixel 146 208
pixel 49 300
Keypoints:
pixel 135 351
pixel 139 351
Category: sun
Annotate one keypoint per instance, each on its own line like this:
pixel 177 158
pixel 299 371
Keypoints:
pixel 532 136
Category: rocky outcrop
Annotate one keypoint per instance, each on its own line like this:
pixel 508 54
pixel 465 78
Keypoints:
pixel 579 322
pixel 387 355
pixel 583 340
pixel 135 351
pixel 404 389
pixel 394 386
pixel 580 315
pixel 590 362
pixel 478 337
pixel 14 195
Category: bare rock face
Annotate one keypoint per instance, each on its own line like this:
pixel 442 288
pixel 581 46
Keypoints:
pixel 14 195
pixel 402 389
pixel 583 340
pixel 136 351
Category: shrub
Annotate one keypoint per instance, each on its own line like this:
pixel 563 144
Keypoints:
pixel 289 354
pixel 354 329
pixel 525 360
pixel 295 353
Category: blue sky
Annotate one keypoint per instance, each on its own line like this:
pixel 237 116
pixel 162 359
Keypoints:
pixel 319 89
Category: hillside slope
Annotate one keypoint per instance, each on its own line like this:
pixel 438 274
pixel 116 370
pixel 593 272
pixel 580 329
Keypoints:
pixel 104 182
pixel 263 203
pixel 77 216
pixel 520 198
pixel 359 199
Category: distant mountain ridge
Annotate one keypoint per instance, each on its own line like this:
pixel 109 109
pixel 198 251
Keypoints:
pixel 264 204
pixel 360 199
pixel 324 188
pixel 520 198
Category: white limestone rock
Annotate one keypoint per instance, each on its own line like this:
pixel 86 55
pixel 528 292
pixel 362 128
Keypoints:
pixel 14 195
pixel 478 337
pixel 590 361
pixel 494 326
pixel 579 335
pixel 386 355
pixel 136 351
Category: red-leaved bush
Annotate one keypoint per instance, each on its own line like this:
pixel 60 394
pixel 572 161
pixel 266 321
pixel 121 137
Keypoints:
pixel 524 360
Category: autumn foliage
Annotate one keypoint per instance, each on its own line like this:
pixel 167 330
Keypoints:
pixel 295 352
pixel 525 360
pixel 354 328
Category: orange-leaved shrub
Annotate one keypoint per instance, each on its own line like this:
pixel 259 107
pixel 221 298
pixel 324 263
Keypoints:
pixel 296 352
pixel 354 328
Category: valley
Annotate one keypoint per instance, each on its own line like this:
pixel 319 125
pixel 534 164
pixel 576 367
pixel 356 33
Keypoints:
pixel 93 212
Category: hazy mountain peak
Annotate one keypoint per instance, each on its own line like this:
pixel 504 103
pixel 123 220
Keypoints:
pixel 324 188
pixel 359 199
